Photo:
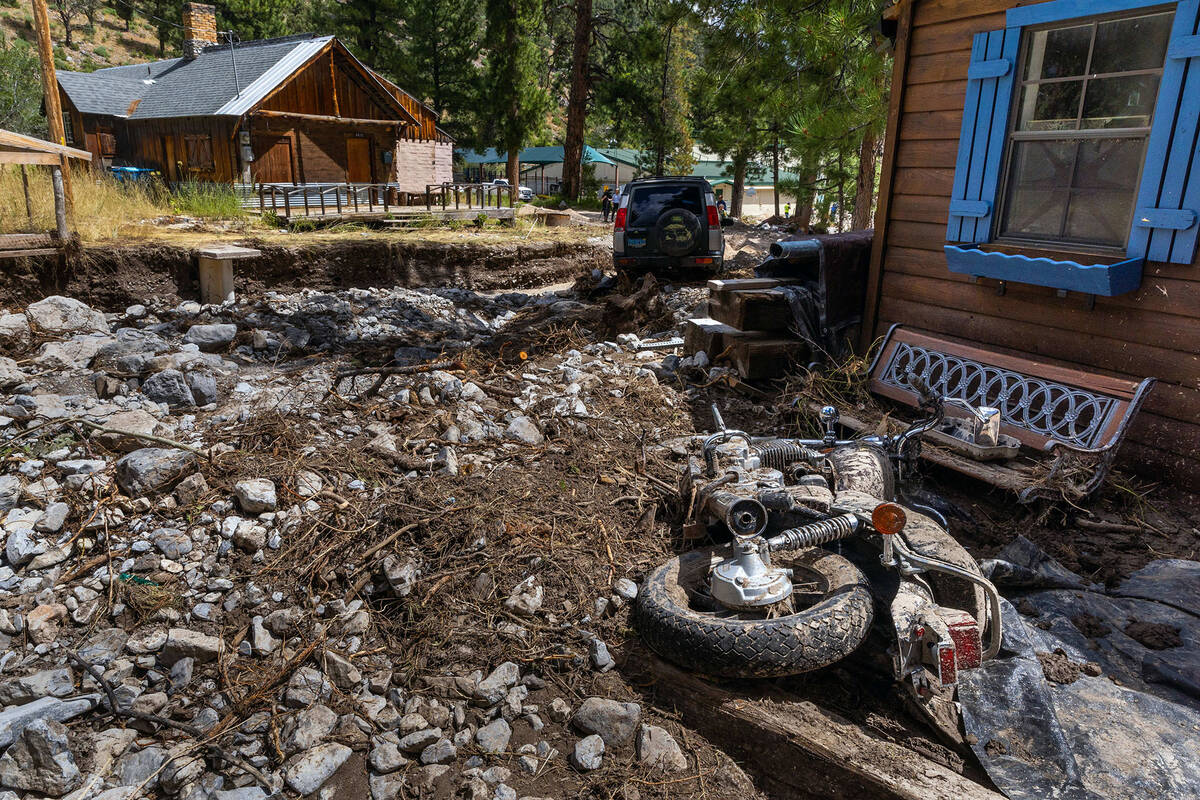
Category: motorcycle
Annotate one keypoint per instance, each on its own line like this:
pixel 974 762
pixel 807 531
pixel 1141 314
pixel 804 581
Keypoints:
pixel 785 594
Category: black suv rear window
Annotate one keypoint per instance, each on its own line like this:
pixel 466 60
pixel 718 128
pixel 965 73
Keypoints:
pixel 647 203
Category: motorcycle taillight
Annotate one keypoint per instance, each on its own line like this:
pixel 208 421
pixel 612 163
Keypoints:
pixel 619 223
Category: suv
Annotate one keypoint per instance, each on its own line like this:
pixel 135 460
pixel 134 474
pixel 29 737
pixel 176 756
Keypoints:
pixel 668 225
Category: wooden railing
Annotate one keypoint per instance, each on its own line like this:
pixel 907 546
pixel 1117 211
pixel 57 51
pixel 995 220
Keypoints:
pixel 323 199
pixel 477 195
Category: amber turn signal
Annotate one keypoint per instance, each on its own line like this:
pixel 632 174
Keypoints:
pixel 888 518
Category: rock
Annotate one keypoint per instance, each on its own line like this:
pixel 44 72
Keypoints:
pixel 250 537
pixel 401 577
pixel 59 315
pixel 601 660
pixel 261 641
pixel 559 710
pixel 40 761
pixel 283 621
pixel 182 642
pixel 170 387
pixel 343 674
pixel 211 337
pixel 525 430
pixel 58 682
pixel 135 768
pixel 657 749
pixel 15 719
pixel 148 641
pixel 305 687
pixel 308 483
pixel 526 597
pixel 256 495
pixel 625 589
pixel 10 491
pixel 244 793
pixel 181 673
pixel 42 623
pixel 613 721
pixel 439 752
pixel 10 374
pixel 54 517
pixel 387 787
pixel 172 543
pixel 124 423
pixel 150 468
pixel 306 772
pixel 191 489
pixel 308 728
pixel 386 757
pixel 426 777
pixel 588 753
pixel 492 689
pixel 204 388
pixel 14 331
pixel 493 737
pixel 416 742
pixel 103 646
pixel 21 547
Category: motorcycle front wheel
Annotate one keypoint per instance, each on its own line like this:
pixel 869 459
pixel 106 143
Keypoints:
pixel 681 622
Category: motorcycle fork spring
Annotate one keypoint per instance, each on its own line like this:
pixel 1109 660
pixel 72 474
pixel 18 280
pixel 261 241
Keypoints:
pixel 816 533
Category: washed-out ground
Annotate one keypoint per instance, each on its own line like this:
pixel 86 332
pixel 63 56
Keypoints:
pixel 345 541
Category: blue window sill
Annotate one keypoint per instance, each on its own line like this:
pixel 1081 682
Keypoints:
pixel 1107 280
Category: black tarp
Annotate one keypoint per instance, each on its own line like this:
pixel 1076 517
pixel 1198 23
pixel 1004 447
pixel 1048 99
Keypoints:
pixel 1133 731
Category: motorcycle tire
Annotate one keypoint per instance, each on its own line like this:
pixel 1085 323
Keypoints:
pixel 734 646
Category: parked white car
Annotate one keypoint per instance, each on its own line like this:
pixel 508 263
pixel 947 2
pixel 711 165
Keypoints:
pixel 523 192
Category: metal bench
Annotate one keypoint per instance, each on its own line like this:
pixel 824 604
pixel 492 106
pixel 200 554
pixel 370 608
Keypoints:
pixel 1077 419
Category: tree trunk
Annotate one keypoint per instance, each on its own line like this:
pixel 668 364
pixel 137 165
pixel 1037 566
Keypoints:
pixel 513 168
pixel 660 157
pixel 864 195
pixel 739 184
pixel 581 86
pixel 805 195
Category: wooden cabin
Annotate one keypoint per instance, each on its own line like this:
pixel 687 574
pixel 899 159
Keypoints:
pixel 296 110
pixel 1040 195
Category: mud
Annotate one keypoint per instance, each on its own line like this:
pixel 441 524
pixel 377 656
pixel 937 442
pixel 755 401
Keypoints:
pixel 115 277
pixel 1059 668
pixel 1090 626
pixel 1154 635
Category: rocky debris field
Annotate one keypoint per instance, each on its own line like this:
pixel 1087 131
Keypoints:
pixel 367 543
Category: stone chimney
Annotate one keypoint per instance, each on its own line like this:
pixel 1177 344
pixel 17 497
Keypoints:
pixel 199 28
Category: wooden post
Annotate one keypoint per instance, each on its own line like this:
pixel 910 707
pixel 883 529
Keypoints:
pixel 60 205
pixel 54 120
pixel 28 202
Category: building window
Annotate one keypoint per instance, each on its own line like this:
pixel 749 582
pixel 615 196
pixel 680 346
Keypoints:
pixel 199 152
pixel 68 128
pixel 108 144
pixel 1083 109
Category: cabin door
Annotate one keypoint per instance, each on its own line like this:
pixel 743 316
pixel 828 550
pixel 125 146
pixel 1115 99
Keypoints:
pixel 273 160
pixel 358 160
pixel 168 144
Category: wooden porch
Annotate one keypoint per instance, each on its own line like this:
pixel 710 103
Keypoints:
pixel 328 202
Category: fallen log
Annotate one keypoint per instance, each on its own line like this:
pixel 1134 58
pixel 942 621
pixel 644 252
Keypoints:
pixel 799 749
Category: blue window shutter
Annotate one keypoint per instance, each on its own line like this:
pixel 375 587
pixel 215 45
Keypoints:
pixel 984 129
pixel 1167 215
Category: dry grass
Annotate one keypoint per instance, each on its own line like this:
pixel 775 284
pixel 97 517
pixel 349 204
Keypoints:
pixel 104 209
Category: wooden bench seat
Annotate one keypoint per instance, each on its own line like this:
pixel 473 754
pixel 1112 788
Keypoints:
pixel 1067 413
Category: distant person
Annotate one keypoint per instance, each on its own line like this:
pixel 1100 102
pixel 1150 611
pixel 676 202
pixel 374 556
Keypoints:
pixel 606 203
pixel 787 210
pixel 721 206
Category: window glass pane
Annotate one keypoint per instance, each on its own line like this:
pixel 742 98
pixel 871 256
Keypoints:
pixel 1128 44
pixel 1105 188
pixel 1125 102
pixel 1039 188
pixel 1058 53
pixel 1050 106
pixel 648 203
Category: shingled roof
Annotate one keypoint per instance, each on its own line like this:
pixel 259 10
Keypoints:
pixel 202 86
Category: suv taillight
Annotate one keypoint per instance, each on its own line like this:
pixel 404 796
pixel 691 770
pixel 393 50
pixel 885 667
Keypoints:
pixel 619 223
pixel 714 220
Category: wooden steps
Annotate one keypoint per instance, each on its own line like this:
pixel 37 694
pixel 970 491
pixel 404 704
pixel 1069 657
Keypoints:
pixel 749 323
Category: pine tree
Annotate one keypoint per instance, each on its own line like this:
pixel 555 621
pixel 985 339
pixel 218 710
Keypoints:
pixel 514 99
pixel 438 43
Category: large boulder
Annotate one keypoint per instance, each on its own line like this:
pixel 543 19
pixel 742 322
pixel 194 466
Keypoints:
pixel 170 387
pixel 152 468
pixel 61 316
pixel 211 337
pixel 40 761
pixel 123 424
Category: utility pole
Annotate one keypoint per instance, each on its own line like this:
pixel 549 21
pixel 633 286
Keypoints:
pixel 54 119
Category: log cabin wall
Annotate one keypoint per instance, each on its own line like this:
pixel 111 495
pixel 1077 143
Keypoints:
pixel 183 148
pixel 1153 332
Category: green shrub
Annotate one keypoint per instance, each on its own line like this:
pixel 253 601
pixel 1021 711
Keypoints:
pixel 206 200
pixel 101 51
pixel 481 220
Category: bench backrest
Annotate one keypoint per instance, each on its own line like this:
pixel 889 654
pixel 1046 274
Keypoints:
pixel 1039 403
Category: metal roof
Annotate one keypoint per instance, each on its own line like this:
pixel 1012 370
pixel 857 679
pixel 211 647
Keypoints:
pixel 198 87
pixel 530 155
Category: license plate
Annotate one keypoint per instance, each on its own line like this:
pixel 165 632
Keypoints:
pixel 636 242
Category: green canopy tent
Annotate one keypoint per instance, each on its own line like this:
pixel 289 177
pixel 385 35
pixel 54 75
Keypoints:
pixel 537 156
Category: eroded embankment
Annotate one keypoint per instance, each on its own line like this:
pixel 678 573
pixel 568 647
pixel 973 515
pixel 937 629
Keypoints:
pixel 115 277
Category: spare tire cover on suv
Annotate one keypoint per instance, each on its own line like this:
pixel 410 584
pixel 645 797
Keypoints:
pixel 677 231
